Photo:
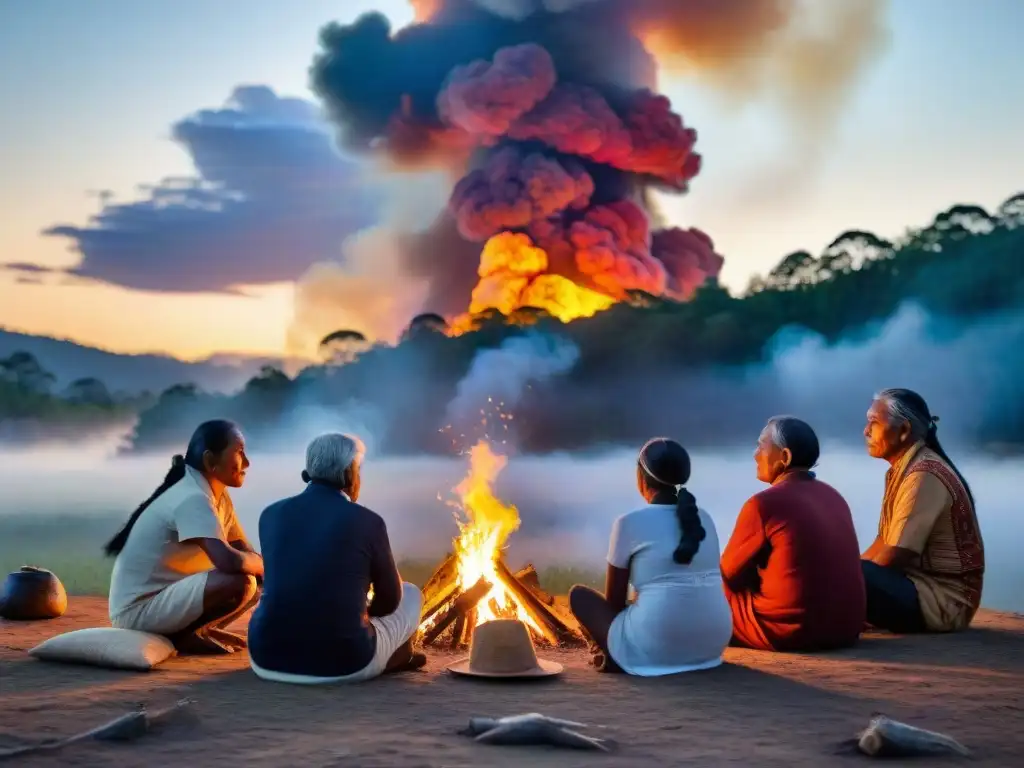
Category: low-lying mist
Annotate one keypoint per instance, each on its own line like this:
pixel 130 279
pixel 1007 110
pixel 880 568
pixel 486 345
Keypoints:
pixel 567 503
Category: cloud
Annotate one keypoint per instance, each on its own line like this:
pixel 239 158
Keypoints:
pixel 271 196
pixel 27 268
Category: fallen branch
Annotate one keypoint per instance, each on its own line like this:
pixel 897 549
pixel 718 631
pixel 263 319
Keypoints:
pixel 124 728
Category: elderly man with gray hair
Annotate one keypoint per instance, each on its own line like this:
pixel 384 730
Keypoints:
pixel 322 554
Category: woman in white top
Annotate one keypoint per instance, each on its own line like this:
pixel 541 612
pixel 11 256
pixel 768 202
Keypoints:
pixel 668 550
pixel 184 567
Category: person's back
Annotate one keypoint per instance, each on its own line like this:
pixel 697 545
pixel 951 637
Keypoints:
pixel 792 565
pixel 322 552
pixel 811 587
pixel 680 619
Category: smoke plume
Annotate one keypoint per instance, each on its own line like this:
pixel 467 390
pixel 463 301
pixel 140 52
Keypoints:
pixel 547 112
pixel 498 378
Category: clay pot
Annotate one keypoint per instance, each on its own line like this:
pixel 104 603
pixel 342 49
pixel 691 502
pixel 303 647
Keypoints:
pixel 30 594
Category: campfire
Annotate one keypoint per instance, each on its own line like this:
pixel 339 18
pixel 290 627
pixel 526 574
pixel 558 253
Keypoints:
pixel 473 584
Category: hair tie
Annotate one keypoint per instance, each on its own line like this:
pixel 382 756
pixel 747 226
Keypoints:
pixel 177 461
pixel 305 476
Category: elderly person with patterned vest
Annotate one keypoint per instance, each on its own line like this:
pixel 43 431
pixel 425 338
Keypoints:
pixel 323 553
pixel 924 570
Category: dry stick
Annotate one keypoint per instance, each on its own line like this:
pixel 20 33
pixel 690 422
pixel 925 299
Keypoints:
pixel 450 593
pixel 550 626
pixel 443 577
pixel 442 586
pixel 463 603
pixel 528 578
pixel 460 625
pixel 123 728
pixel 468 627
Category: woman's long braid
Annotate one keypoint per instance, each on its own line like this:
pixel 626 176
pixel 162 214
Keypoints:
pixel 174 474
pixel 693 532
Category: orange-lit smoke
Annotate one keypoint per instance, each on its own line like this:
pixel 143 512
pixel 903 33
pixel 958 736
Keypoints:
pixel 514 274
pixel 547 112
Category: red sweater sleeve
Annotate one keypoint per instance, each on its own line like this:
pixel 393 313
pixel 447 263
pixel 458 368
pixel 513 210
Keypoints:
pixel 747 542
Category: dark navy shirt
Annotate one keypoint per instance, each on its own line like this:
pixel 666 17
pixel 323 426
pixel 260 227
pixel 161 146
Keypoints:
pixel 321 553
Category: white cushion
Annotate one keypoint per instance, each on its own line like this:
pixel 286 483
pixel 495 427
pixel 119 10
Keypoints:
pixel 106 647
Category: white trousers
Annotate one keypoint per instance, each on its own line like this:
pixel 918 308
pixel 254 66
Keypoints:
pixel 393 631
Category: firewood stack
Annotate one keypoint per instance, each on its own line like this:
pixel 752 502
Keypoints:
pixel 451 611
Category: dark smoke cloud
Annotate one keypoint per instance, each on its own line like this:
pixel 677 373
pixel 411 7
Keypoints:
pixel 551 120
pixel 511 190
pixel 577 79
pixel 271 196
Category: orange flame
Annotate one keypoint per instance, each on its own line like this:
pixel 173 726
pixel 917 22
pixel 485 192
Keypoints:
pixel 485 523
pixel 513 275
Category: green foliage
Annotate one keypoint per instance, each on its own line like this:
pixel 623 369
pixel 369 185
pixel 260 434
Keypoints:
pixel 966 263
pixel 26 396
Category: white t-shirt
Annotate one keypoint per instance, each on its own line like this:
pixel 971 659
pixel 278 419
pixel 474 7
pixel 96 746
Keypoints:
pixel 161 548
pixel 680 620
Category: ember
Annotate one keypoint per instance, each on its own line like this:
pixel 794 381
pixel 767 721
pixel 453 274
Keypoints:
pixel 473 585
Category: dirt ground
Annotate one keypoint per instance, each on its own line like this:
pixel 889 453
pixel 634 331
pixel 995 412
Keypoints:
pixel 758 709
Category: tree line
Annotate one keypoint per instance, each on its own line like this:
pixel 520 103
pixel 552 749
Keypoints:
pixel 31 403
pixel 968 263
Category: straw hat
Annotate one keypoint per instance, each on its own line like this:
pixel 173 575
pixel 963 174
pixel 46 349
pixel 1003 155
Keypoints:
pixel 503 648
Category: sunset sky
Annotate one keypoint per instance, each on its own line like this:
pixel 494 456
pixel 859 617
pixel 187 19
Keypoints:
pixel 93 91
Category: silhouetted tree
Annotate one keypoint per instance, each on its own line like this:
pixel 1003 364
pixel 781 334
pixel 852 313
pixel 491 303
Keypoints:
pixel 23 370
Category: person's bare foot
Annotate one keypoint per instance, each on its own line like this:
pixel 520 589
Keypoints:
pixel 199 644
pixel 405 659
pixel 415 661
pixel 229 639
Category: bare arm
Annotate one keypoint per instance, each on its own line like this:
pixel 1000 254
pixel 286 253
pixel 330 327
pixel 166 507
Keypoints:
pixel 920 501
pixel 872 550
pixel 384 576
pixel 197 521
pixel 891 557
pixel 616 588
pixel 228 559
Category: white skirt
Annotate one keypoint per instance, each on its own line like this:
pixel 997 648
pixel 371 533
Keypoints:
pixel 680 627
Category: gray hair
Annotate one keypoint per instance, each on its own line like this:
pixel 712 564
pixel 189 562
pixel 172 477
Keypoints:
pixel 329 456
pixel 904 405
pixel 796 435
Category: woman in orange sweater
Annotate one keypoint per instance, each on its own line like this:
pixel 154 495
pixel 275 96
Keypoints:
pixel 792 568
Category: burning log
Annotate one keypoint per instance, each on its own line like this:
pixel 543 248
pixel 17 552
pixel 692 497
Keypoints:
pixel 462 605
pixel 553 630
pixel 441 588
pixel 457 632
pixel 442 578
pixel 529 578
pixel 457 608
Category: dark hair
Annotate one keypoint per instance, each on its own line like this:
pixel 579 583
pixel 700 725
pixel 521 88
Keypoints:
pixel 666 468
pixel 798 436
pixel 909 406
pixel 213 436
